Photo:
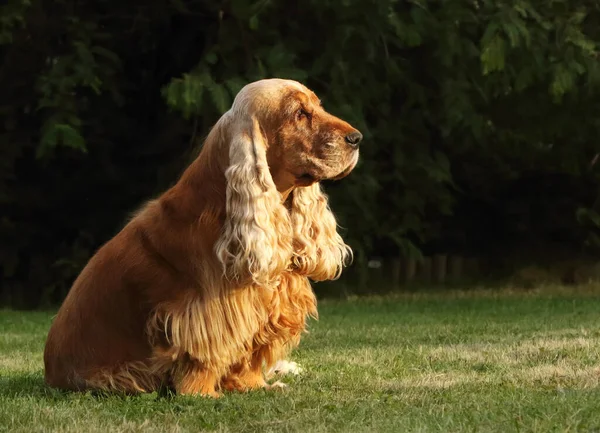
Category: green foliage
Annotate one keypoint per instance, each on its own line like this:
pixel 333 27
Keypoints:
pixel 457 101
pixel 589 217
pixel 12 18
pixel 68 80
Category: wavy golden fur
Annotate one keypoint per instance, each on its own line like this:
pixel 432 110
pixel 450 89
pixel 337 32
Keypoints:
pixel 209 283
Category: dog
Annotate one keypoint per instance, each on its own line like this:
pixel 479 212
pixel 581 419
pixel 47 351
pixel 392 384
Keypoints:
pixel 209 284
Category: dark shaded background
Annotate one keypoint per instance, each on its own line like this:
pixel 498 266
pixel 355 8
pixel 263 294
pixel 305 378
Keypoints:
pixel 481 120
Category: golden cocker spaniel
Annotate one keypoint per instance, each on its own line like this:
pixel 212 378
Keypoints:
pixel 209 283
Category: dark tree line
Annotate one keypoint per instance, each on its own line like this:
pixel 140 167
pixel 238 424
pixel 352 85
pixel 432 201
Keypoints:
pixel 481 118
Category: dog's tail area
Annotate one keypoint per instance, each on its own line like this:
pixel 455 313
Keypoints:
pixel 130 378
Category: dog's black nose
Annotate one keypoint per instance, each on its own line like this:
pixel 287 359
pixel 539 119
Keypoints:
pixel 354 138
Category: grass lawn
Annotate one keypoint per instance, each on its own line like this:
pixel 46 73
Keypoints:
pixel 457 361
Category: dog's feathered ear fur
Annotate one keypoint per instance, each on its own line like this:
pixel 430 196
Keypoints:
pixel 319 250
pixel 256 237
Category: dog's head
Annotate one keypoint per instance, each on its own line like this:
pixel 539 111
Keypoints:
pixel 304 143
pixel 281 140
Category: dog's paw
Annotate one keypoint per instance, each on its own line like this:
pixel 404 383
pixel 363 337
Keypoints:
pixel 284 367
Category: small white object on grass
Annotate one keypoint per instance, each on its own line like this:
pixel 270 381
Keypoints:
pixel 277 386
pixel 284 367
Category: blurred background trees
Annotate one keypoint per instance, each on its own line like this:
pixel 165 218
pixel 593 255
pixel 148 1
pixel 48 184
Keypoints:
pixel 481 119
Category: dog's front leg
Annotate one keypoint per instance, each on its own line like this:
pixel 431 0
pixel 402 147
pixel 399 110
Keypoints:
pixel 245 376
pixel 191 377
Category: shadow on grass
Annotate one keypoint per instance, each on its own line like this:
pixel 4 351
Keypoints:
pixel 33 385
pixel 25 384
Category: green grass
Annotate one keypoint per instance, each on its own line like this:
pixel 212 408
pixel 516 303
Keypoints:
pixel 498 361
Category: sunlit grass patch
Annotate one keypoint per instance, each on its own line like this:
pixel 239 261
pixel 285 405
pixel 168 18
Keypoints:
pixel 489 360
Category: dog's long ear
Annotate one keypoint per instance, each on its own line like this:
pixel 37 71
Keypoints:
pixel 256 237
pixel 319 251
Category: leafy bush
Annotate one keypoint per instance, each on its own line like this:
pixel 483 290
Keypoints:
pixel 458 100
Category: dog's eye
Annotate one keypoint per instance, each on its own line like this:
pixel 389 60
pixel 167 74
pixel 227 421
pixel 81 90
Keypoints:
pixel 302 113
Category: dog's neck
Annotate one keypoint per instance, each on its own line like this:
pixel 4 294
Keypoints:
pixel 286 194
